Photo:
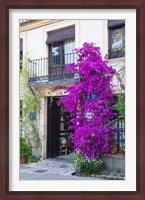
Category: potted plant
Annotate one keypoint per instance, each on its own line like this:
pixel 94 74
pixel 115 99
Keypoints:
pixel 113 147
pixel 25 151
pixel 67 137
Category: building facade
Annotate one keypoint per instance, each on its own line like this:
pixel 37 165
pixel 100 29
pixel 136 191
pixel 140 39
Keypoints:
pixel 49 46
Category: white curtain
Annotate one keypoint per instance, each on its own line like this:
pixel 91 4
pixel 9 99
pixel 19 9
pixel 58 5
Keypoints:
pixel 69 56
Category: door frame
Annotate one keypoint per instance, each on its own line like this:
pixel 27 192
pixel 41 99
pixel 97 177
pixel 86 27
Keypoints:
pixel 49 128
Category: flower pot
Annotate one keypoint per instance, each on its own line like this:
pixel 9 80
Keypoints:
pixel 22 159
pixel 113 149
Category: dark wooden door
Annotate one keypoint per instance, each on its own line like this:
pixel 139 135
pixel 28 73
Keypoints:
pixel 53 128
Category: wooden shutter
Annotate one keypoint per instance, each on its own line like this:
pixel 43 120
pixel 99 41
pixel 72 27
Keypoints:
pixel 61 35
pixel 21 45
pixel 115 23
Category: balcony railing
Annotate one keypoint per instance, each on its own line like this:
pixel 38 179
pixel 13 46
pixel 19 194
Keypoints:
pixel 119 136
pixel 43 70
pixel 115 53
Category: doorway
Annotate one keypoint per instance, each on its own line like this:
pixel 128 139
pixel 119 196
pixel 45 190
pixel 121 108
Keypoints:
pixel 58 135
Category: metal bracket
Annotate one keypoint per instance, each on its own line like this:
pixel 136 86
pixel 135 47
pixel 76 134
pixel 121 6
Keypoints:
pixel 32 91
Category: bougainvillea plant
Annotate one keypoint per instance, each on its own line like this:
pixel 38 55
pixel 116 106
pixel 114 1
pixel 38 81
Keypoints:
pixel 90 103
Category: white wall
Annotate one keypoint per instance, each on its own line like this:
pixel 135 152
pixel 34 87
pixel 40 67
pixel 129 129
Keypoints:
pixel 94 31
pixel 35 43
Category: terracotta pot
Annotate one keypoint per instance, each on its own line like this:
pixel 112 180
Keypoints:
pixel 22 159
pixel 114 149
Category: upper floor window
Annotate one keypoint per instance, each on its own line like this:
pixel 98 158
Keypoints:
pixel 62 52
pixel 61 43
pixel 116 33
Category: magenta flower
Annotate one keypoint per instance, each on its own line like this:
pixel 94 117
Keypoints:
pixel 122 86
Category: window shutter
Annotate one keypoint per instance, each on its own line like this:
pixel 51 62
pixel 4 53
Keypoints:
pixel 21 45
pixel 61 35
pixel 115 23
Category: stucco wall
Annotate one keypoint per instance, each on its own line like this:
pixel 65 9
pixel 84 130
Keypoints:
pixel 35 42
pixel 94 31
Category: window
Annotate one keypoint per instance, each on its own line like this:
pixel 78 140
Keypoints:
pixel 62 49
pixel 61 44
pixel 21 54
pixel 116 38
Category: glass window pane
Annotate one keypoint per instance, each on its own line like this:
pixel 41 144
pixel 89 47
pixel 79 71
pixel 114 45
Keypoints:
pixel 117 39
pixel 56 55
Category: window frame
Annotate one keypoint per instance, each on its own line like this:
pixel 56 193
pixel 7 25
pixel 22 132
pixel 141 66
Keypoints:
pixel 114 25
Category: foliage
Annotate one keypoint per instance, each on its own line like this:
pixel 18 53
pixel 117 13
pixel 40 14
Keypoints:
pixel 119 106
pixel 31 104
pixel 86 165
pixel 25 149
pixel 91 97
pixel 120 75
pixel 32 159
pixel 122 142
pixel 67 135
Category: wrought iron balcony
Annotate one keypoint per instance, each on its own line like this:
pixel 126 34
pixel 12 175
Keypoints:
pixel 44 71
pixel 115 53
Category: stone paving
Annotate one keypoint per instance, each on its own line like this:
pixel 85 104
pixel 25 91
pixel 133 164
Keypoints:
pixel 59 168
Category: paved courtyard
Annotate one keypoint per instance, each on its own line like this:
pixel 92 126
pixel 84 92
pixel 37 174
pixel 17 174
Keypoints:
pixel 59 168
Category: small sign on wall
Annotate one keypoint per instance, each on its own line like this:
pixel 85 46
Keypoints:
pixel 32 116
pixel 93 96
pixel 89 115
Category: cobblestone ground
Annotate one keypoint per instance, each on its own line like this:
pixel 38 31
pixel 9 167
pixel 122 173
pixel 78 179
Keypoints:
pixel 59 168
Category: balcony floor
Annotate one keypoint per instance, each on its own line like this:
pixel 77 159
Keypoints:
pixel 42 81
